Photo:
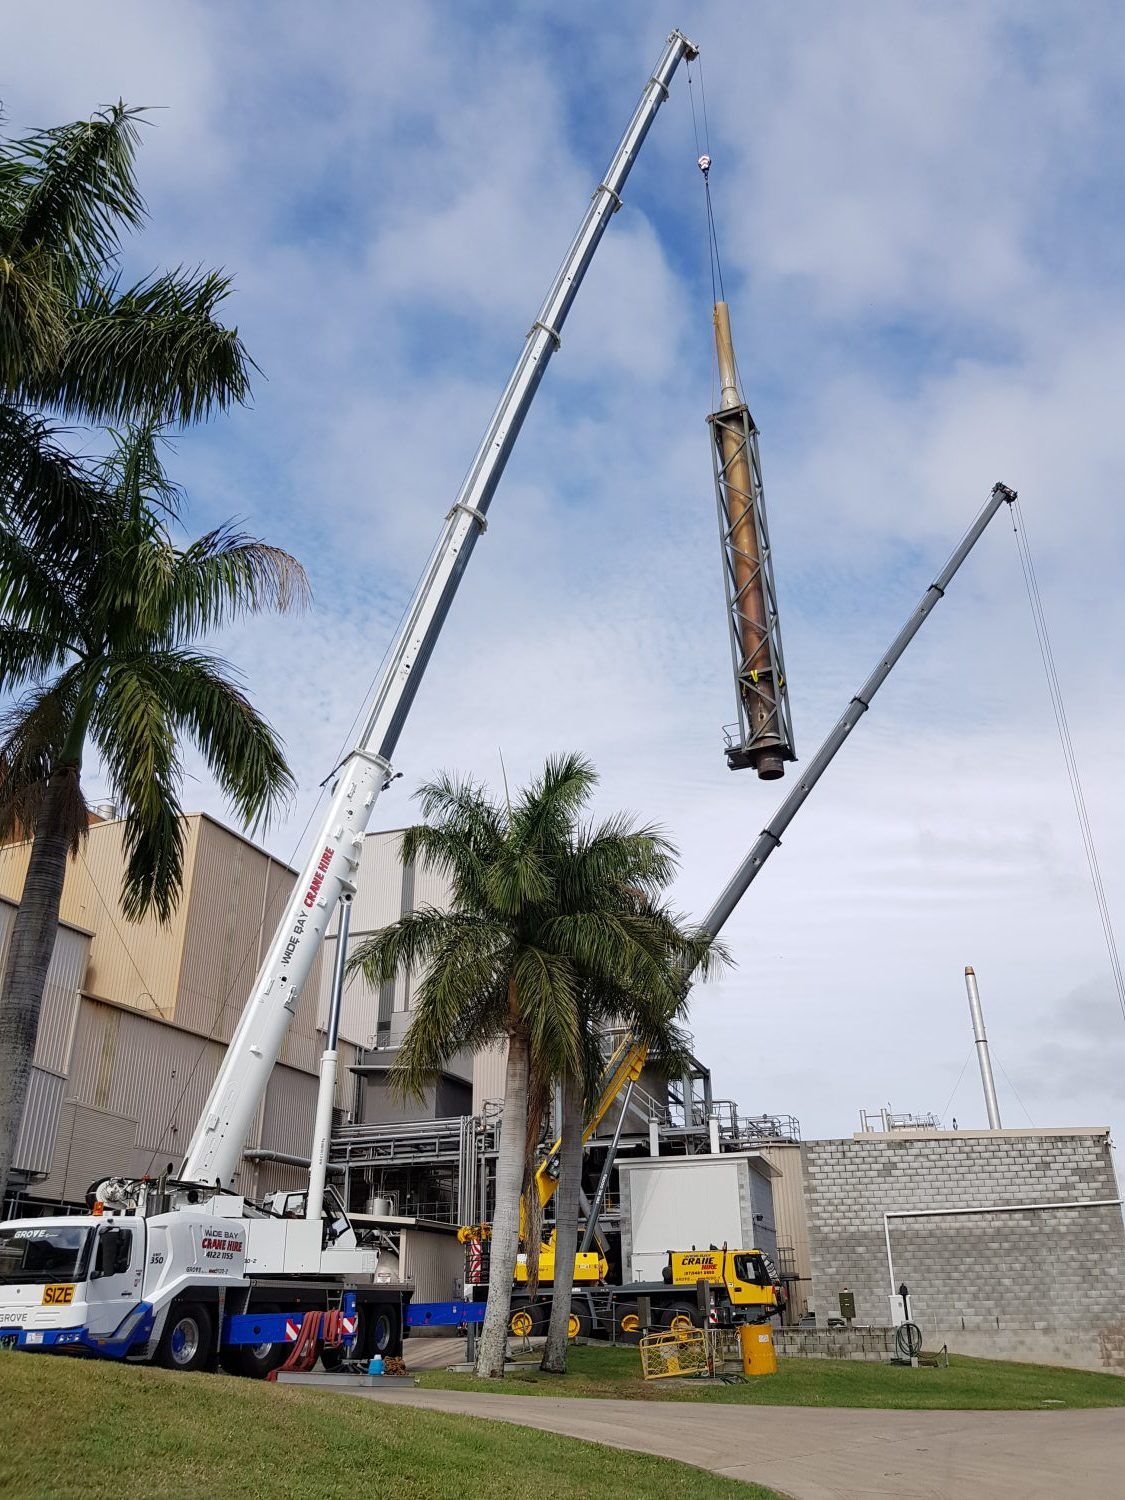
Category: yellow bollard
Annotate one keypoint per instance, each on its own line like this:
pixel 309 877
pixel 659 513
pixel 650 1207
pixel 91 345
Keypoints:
pixel 755 1341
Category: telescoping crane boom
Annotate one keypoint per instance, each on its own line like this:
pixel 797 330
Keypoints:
pixel 216 1145
pixel 624 1066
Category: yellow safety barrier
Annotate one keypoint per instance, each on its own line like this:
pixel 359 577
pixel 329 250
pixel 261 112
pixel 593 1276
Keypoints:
pixel 666 1354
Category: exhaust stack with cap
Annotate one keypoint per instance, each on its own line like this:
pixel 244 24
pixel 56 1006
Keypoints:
pixel 763 735
pixel 989 1083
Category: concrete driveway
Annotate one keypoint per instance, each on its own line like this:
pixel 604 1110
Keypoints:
pixel 834 1454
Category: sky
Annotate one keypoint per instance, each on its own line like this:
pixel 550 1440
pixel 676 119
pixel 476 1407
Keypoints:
pixel 919 213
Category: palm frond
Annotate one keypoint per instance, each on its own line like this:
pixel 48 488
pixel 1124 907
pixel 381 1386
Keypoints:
pixel 405 944
pixel 33 590
pixel 33 733
pixel 196 694
pixel 155 351
pixel 547 989
pixel 133 732
pixel 48 498
pixel 79 187
pixel 27 655
pixel 33 314
pixel 228 573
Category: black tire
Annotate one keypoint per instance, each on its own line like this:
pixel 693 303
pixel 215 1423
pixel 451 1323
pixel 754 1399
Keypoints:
pixel 379 1329
pixel 188 1339
pixel 580 1324
pixel 255 1361
pixel 626 1323
pixel 524 1318
pixel 678 1317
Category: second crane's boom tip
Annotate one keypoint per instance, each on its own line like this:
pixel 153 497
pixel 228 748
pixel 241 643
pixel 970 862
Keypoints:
pixel 691 51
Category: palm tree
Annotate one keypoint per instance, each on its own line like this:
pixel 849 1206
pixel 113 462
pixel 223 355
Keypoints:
pixel 100 643
pixel 539 912
pixel 650 1013
pixel 76 341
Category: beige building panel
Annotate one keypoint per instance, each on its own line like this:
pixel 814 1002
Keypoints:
pixel 290 1108
pixel 790 1214
pixel 137 1066
pixel 222 938
pixel 90 1143
pixel 378 897
pixel 488 1075
pixel 65 978
pixel 134 963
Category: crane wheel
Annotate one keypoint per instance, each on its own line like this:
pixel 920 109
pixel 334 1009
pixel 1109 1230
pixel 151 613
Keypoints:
pixel 578 1324
pixel 188 1337
pixel 679 1317
pixel 523 1320
pixel 255 1361
pixel 626 1323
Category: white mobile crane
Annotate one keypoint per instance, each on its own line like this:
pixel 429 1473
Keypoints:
pixel 187 1271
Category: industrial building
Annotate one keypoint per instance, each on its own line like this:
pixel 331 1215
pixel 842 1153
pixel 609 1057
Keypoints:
pixel 1011 1241
pixel 136 1017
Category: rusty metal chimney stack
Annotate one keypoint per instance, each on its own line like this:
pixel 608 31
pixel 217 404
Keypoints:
pixel 763 736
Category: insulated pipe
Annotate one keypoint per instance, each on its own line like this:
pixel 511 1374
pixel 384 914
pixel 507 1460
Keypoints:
pixel 745 560
pixel 991 1103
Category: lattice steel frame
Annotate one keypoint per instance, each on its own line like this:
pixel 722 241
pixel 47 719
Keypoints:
pixel 734 506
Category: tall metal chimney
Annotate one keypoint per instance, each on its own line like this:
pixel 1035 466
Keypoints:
pixel 763 735
pixel 986 1078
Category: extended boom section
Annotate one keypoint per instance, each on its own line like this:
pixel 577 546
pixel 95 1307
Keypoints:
pixel 215 1148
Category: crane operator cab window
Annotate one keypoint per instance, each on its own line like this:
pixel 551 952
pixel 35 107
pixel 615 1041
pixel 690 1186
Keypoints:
pixel 754 1269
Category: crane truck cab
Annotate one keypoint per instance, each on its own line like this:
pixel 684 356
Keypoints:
pixel 189 1278
pixel 745 1281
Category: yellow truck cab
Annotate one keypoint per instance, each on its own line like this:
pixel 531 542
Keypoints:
pixel 746 1276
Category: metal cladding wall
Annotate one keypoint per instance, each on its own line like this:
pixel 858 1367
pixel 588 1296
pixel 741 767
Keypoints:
pixel 53 1042
pixel 150 1072
pixel 790 1218
pixel 433 1262
pixel 235 897
pixel 488 1075
pixel 36 1144
pixel 134 963
pixel 1043 1284
pixel 65 976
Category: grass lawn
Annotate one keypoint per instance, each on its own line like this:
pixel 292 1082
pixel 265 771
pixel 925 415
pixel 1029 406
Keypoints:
pixel 968 1384
pixel 75 1427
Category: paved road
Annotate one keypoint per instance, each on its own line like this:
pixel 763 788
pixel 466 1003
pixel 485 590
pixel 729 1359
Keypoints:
pixel 832 1454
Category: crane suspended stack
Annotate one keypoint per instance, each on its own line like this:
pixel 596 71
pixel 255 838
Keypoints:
pixel 762 737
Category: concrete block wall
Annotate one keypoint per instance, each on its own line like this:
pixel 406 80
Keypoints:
pixel 1033 1284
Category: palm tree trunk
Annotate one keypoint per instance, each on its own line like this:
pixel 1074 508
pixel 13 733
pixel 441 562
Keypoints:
pixel 493 1344
pixel 29 956
pixel 566 1226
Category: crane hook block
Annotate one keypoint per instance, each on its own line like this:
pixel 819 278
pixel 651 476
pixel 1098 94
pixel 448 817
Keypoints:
pixel 704 164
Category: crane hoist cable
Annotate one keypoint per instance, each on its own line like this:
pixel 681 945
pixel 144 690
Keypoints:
pixel 1031 584
pixel 703 158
